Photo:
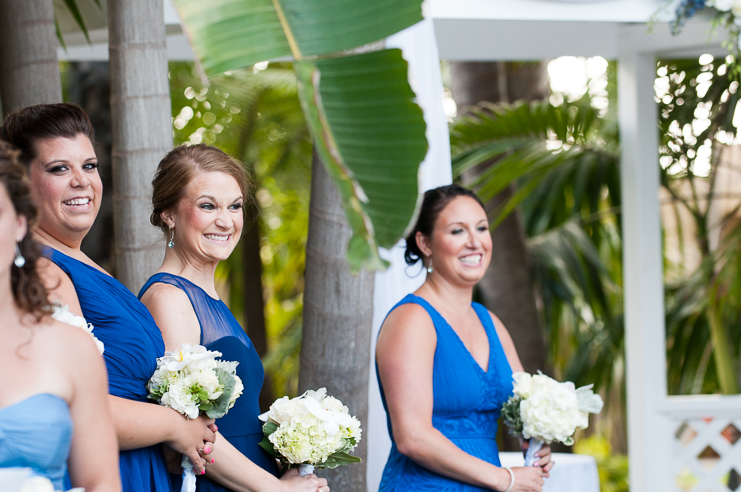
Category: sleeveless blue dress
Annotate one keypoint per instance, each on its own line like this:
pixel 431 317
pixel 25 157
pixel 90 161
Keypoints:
pixel 220 331
pixel 132 344
pixel 467 402
pixel 36 433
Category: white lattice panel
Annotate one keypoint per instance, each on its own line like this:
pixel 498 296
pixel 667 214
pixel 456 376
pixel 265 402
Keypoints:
pixel 707 454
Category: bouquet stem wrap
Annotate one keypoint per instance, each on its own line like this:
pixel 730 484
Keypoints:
pixel 534 446
pixel 304 470
pixel 189 476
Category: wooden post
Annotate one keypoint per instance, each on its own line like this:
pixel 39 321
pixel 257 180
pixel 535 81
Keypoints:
pixel 142 133
pixel 649 441
pixel 29 70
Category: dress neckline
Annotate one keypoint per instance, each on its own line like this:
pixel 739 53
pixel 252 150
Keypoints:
pixel 32 397
pixel 96 270
pixel 191 283
pixel 463 345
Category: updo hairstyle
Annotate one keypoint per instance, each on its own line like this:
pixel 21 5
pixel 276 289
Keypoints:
pixel 23 127
pixel 433 203
pixel 29 291
pixel 179 167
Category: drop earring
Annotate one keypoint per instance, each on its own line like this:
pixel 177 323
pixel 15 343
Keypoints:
pixel 429 265
pixel 19 260
pixel 171 242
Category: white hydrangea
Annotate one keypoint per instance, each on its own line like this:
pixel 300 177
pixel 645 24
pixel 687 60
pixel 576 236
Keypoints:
pixel 179 398
pixel 312 427
pixel 553 411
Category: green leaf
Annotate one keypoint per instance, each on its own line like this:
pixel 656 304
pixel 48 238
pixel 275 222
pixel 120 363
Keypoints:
pixel 268 428
pixel 75 11
pixel 268 446
pixel 370 135
pixel 221 404
pixel 230 34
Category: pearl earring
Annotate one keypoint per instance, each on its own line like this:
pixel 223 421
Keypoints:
pixel 171 242
pixel 19 260
pixel 429 266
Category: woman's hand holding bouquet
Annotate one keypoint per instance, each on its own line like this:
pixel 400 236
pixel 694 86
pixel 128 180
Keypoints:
pixel 192 382
pixel 544 410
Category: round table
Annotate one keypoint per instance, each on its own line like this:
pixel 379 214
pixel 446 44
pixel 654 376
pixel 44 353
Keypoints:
pixel 572 472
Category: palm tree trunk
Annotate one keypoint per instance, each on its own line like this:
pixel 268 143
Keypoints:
pixel 142 134
pixel 29 70
pixel 507 287
pixel 338 311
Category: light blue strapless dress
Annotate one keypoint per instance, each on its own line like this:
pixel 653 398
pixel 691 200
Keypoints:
pixel 467 402
pixel 36 433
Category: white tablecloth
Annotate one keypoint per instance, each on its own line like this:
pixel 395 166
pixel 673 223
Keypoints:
pixel 572 473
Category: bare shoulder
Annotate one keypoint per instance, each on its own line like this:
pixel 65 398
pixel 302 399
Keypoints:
pixel 502 331
pixel 52 275
pixel 72 343
pixel 406 328
pixel 160 295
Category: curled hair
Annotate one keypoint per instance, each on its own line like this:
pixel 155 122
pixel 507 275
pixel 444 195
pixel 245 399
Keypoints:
pixel 29 291
pixel 178 168
pixel 433 203
pixel 23 127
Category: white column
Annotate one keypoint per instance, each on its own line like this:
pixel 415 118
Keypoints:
pixel 649 439
pixel 419 48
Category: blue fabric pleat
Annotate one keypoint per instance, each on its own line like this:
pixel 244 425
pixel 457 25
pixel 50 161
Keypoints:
pixel 467 402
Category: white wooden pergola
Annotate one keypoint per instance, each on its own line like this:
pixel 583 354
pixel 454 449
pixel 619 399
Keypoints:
pixel 665 434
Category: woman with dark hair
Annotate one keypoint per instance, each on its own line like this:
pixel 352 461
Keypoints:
pixel 198 195
pixel 445 363
pixel 53 408
pixel 56 143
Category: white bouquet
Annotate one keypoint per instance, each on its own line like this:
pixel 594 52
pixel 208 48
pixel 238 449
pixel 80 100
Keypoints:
pixel 544 410
pixel 23 479
pixel 311 430
pixel 191 381
pixel 63 314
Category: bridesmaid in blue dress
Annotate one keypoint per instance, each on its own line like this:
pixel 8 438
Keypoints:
pixel 53 408
pixel 445 363
pixel 198 197
pixel 56 144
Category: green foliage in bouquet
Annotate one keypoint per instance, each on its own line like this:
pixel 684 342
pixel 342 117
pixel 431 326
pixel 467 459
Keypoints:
pixel 217 408
pixel 511 415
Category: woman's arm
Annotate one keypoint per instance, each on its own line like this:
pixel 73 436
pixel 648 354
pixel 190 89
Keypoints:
pixel 175 316
pixel 93 459
pixel 405 356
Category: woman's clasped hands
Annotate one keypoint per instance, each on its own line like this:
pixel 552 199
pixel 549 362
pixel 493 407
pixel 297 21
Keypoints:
pixel 195 439
pixel 531 478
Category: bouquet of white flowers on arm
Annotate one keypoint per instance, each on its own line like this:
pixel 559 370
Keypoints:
pixel 311 430
pixel 544 410
pixel 193 382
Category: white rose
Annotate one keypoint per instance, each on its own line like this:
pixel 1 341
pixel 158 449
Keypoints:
pixel 722 5
pixel 281 411
pixel 207 380
pixel 237 392
pixel 523 384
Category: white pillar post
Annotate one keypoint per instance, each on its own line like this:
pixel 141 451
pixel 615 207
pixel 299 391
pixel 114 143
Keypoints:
pixel 649 438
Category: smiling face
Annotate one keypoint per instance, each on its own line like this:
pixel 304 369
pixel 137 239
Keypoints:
pixel 460 246
pixel 66 187
pixel 12 230
pixel 208 220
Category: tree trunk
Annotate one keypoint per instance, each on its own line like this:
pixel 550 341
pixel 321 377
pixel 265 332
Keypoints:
pixel 142 134
pixel 29 70
pixel 338 311
pixel 507 287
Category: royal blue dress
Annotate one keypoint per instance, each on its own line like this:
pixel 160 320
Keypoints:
pixel 133 342
pixel 466 405
pixel 221 332
pixel 36 433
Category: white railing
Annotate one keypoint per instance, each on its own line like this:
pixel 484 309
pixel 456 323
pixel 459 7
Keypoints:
pixel 706 452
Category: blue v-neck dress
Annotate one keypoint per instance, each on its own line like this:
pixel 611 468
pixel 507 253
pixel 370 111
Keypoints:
pixel 467 402
pixel 132 344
